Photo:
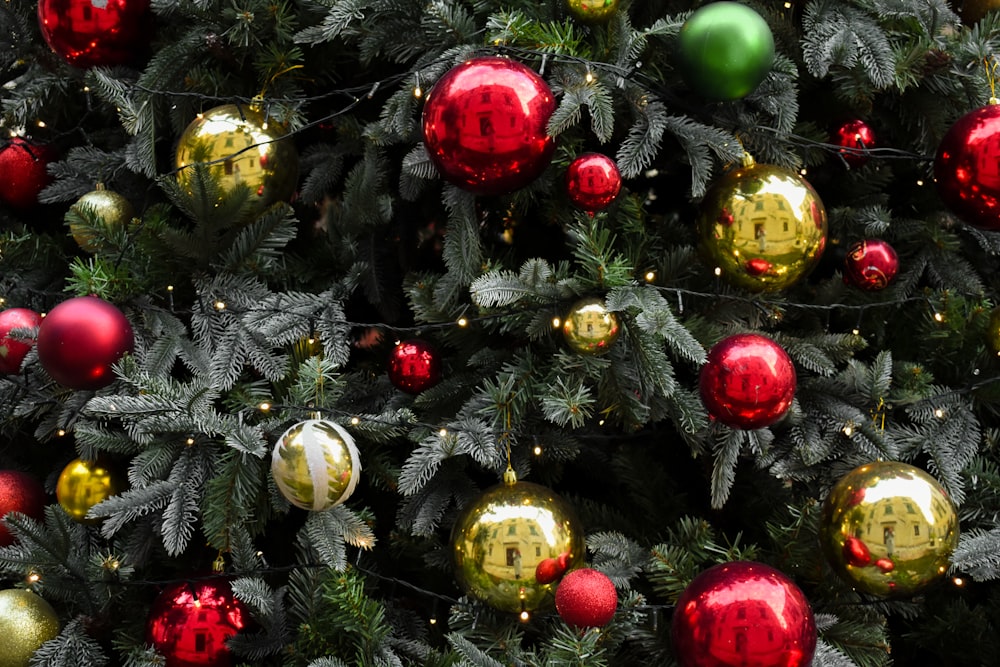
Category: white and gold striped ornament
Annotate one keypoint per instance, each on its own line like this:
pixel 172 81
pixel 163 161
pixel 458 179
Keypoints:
pixel 316 464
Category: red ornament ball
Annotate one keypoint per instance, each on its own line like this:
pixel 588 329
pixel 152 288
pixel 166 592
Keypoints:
pixel 586 599
pixel 740 609
pixel 190 622
pixel 966 182
pixel 593 182
pixel 870 265
pixel 19 492
pixel 24 172
pixel 80 340
pixel 856 138
pixel 485 125
pixel 88 33
pixel 414 365
pixel 748 381
pixel 13 350
pixel 549 570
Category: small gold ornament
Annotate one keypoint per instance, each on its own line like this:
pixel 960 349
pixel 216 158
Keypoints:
pixel 109 207
pixel 889 528
pixel 26 622
pixel 993 330
pixel 589 327
pixel 499 539
pixel 763 226
pixel 240 146
pixel 972 11
pixel 83 484
pixel 316 465
pixel 592 11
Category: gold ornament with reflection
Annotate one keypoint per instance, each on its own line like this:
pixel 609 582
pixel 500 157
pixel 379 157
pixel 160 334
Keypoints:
pixel 107 206
pixel 589 327
pixel 763 226
pixel 83 484
pixel 592 11
pixel 889 529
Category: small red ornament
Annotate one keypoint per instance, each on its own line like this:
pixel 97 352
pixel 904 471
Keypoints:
pixel 549 570
pixel 88 33
pixel 748 381
pixel 586 599
pixel 13 350
pixel 19 492
pixel 485 125
pixel 965 168
pixel 190 622
pixel 24 172
pixel 80 339
pixel 870 265
pixel 593 182
pixel 856 552
pixel 414 365
pixel 855 138
pixel 743 613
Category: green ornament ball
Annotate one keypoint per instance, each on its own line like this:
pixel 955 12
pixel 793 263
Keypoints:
pixel 725 50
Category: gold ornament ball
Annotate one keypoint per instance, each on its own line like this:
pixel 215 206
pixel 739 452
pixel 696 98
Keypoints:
pixel 972 11
pixel 499 539
pixel 315 464
pixel 109 207
pixel 26 622
pixel 240 146
pixel 83 484
pixel 592 11
pixel 589 327
pixel 763 226
pixel 993 330
pixel 889 529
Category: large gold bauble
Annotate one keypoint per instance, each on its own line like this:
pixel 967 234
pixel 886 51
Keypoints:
pixel 763 227
pixel 26 622
pixel 83 484
pixel 589 327
pixel 109 207
pixel 315 464
pixel 240 146
pixel 500 538
pixel 889 528
pixel 972 11
pixel 592 11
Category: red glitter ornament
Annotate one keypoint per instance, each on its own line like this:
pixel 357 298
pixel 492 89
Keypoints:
pixel 190 622
pixel 743 613
pixel 414 365
pixel 88 33
pixel 586 599
pixel 593 182
pixel 24 172
pixel 748 381
pixel 870 265
pixel 966 170
pixel 855 138
pixel 80 340
pixel 13 350
pixel 485 125
pixel 19 492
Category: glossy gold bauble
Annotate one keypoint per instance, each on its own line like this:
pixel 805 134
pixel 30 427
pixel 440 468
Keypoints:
pixel 315 464
pixel 589 327
pixel 592 11
pixel 241 147
pixel 500 538
pixel 972 11
pixel 889 529
pixel 109 207
pixel 83 484
pixel 763 227
pixel 26 622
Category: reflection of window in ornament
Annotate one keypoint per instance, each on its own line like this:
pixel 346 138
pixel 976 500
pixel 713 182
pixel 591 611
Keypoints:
pixel 916 530
pixel 909 509
pixel 888 509
pixel 538 551
pixel 512 529
pixel 532 529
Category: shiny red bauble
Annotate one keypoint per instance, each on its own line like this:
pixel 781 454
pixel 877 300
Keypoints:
pixel 14 350
pixel 19 492
pixel 967 168
pixel 748 381
pixel 586 598
pixel 414 365
pixel 593 182
pixel 190 622
pixel 24 172
pixel 80 339
pixel 88 33
pixel 485 125
pixel 870 265
pixel 743 613
pixel 856 138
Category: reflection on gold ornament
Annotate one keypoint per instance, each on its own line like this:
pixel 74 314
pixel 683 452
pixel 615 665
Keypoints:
pixel 26 622
pixel 889 528
pixel 589 327
pixel 316 465
pixel 972 11
pixel 83 484
pixel 592 11
pixel 108 207
pixel 763 226
pixel 500 538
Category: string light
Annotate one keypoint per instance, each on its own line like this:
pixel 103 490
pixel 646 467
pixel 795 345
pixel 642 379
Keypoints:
pixel 849 430
pixel 537 450
pixel 958 581
pixel 939 413
pixel 433 621
pixel 462 322
pixel 264 407
pixel 443 432
pixel 556 323
pixel 61 433
pixel 525 616
pixel 189 441
pixel 355 421
pixel 220 305
pixel 650 276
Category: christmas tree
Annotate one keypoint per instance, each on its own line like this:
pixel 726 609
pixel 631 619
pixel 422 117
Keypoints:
pixel 581 332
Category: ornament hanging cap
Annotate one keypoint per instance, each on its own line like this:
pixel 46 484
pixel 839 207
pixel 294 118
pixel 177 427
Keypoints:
pixel 991 79
pixel 509 476
pixel 747 160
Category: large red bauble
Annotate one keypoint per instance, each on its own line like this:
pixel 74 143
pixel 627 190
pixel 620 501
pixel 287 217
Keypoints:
pixel 743 613
pixel 88 33
pixel 19 492
pixel 748 381
pixel 485 125
pixel 13 350
pixel 593 182
pixel 80 339
pixel 190 622
pixel 586 599
pixel 24 172
pixel 414 365
pixel 966 170
pixel 855 138
pixel 870 265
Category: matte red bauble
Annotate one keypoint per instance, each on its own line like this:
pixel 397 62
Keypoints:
pixel 88 33
pixel 870 265
pixel 190 622
pixel 966 170
pixel 748 381
pixel 19 492
pixel 485 125
pixel 743 613
pixel 24 172
pixel 80 340
pixel 414 365
pixel 13 350
pixel 855 138
pixel 593 182
pixel 586 599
